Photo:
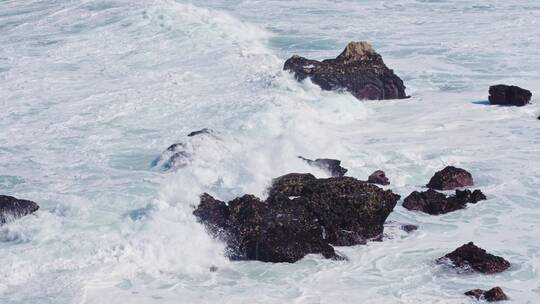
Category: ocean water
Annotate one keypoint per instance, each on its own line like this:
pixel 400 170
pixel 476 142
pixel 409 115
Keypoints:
pixel 91 92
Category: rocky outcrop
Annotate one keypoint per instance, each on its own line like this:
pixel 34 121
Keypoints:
pixel 450 178
pixel 495 294
pixel 332 166
pixel 302 215
pixel 472 258
pixel 12 208
pixel 358 70
pixel 379 177
pixel 434 203
pixel 506 95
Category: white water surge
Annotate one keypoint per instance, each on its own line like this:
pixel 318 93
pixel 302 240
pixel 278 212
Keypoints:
pixel 92 91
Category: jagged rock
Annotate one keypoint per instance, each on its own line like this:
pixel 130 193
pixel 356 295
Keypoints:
pixel 302 215
pixel 471 257
pixel 358 69
pixel 332 166
pixel 509 95
pixel 201 131
pixel 434 203
pixel 378 177
pixel 495 294
pixel 12 208
pixel 409 228
pixel 450 178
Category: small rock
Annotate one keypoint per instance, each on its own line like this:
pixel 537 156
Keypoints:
pixel 493 295
pixel 471 257
pixel 509 95
pixel 435 203
pixel 332 166
pixel 358 69
pixel 409 228
pixel 199 132
pixel 378 177
pixel 12 208
pixel 450 178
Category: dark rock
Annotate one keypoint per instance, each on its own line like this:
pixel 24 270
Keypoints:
pixel 358 69
pixel 12 208
pixel 378 177
pixel 302 215
pixel 538 117
pixel 409 228
pixel 199 132
pixel 450 178
pixel 471 257
pixel 493 295
pixel 509 95
pixel 332 166
pixel 434 203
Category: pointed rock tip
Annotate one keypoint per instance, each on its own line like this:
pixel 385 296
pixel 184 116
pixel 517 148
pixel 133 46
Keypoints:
pixel 358 49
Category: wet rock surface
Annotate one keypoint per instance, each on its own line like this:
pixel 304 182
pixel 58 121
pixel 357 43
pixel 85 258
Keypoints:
pixel 302 215
pixel 450 178
pixel 379 177
pixel 358 70
pixel 473 258
pixel 435 203
pixel 332 166
pixel 12 208
pixel 495 294
pixel 509 95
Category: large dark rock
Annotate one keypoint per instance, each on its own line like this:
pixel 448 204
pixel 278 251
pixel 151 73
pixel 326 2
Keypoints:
pixel 471 257
pixel 495 294
pixel 379 177
pixel 12 208
pixel 433 202
pixel 358 69
pixel 450 178
pixel 332 166
pixel 509 95
pixel 302 215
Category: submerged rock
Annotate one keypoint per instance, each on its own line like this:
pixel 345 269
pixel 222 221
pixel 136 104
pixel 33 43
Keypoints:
pixel 358 69
pixel 332 166
pixel 471 257
pixel 495 294
pixel 409 228
pixel 379 177
pixel 509 95
pixel 450 178
pixel 434 203
pixel 12 208
pixel 181 154
pixel 302 215
pixel 201 131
